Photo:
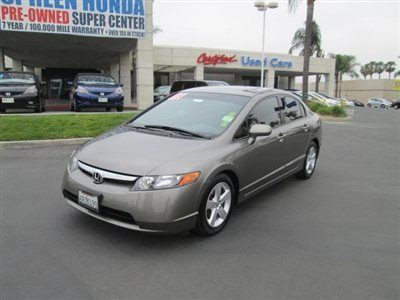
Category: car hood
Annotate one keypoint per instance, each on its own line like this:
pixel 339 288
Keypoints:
pixel 100 88
pixel 124 150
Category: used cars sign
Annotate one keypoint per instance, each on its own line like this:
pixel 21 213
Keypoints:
pixel 99 18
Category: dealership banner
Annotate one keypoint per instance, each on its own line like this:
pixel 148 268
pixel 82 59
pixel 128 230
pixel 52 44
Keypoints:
pixel 97 18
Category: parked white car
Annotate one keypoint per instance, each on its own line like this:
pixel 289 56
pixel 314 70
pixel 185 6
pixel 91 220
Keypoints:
pixel 379 103
pixel 324 99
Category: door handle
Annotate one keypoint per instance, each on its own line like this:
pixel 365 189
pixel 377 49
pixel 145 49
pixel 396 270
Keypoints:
pixel 306 127
pixel 281 136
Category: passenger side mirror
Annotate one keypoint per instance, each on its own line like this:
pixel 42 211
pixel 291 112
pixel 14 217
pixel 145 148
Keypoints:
pixel 259 130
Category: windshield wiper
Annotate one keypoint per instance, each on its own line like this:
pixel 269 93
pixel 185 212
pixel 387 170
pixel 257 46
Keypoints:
pixel 178 130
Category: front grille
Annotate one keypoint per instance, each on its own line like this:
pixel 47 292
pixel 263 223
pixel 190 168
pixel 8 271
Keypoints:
pixel 10 94
pixel 105 211
pixel 99 93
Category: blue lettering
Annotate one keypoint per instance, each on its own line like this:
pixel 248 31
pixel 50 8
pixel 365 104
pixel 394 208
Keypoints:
pixel 101 5
pixel 127 7
pixel 139 8
pixel 289 64
pixel 57 4
pixel 245 62
pixel 114 6
pixel 274 62
pixel 47 4
pixel 70 4
pixel 7 1
pixel 88 5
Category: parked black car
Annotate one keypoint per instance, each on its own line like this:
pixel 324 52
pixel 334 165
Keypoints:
pixel 396 104
pixel 358 103
pixel 188 84
pixel 20 90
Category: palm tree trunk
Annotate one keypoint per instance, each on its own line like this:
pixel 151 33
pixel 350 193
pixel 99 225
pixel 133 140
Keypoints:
pixel 317 81
pixel 307 47
pixel 340 85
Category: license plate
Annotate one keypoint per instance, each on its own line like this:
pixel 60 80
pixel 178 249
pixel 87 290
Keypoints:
pixel 89 201
pixel 103 100
pixel 7 100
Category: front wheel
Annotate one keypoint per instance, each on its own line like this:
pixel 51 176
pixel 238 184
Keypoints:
pixel 369 105
pixel 309 162
pixel 216 206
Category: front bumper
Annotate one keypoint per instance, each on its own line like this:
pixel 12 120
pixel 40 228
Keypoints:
pixel 170 210
pixel 20 102
pixel 91 100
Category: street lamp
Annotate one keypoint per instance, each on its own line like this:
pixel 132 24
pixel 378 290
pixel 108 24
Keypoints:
pixel 262 6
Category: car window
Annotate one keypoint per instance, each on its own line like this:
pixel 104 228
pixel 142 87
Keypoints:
pixel 177 86
pixel 243 131
pixel 292 109
pixel 267 112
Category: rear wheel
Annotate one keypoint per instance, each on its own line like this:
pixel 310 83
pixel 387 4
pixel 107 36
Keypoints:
pixel 369 105
pixel 216 206
pixel 309 163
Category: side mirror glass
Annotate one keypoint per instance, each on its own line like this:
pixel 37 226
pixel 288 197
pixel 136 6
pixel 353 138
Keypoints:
pixel 259 130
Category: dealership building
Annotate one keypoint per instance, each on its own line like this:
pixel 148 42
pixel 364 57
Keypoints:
pixel 56 39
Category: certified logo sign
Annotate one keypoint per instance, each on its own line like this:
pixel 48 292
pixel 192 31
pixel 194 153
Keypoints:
pixel 97 178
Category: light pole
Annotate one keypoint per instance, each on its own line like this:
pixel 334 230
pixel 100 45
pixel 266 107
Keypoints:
pixel 262 6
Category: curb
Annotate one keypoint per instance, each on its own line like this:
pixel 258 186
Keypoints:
pixel 42 143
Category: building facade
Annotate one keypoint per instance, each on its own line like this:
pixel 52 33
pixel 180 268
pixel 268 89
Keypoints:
pixel 116 38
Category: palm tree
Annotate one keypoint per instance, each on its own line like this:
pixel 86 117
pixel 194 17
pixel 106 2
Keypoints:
pixel 345 65
pixel 397 74
pixel 390 67
pixel 307 41
pixel 373 68
pixel 300 36
pixel 379 68
pixel 364 71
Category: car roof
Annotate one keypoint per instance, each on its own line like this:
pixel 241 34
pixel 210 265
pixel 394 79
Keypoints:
pixel 249 91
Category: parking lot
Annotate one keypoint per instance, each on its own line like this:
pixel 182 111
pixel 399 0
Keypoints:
pixel 335 236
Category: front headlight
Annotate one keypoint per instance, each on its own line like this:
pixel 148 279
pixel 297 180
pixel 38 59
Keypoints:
pixel 31 91
pixel 148 183
pixel 73 162
pixel 118 91
pixel 81 90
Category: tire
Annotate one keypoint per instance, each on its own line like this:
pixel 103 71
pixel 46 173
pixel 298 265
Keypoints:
pixel 2 110
pixel 308 170
pixel 383 106
pixel 108 108
pixel 209 221
pixel 120 108
pixel 369 105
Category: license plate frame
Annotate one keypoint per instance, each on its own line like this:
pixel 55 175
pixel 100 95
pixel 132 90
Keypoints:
pixel 7 100
pixel 102 99
pixel 89 201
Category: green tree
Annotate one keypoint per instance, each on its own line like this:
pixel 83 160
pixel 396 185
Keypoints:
pixel 390 67
pixel 345 65
pixel 373 65
pixel 299 38
pixel 293 4
pixel 380 68
pixel 397 74
pixel 364 71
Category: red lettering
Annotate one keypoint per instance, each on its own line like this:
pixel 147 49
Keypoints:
pixel 14 14
pixel 48 16
pixel 215 59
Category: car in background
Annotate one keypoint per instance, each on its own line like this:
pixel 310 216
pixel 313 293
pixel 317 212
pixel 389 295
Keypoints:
pixel 345 102
pixel 181 85
pixel 379 103
pixel 161 92
pixel 186 161
pixel 325 99
pixel 396 104
pixel 20 90
pixel 358 103
pixel 299 94
pixel 96 90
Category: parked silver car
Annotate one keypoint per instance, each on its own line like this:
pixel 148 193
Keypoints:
pixel 379 103
pixel 186 161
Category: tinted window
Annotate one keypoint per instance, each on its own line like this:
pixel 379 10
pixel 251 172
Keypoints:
pixel 206 113
pixel 96 79
pixel 16 78
pixel 243 131
pixel 265 112
pixel 292 109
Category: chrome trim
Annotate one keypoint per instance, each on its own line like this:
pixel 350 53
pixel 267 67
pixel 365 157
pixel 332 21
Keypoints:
pixel 273 172
pixel 106 174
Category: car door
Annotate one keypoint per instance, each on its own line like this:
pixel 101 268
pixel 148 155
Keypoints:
pixel 295 131
pixel 262 161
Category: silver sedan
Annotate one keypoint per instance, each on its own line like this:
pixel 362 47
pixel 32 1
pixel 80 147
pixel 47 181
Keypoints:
pixel 185 162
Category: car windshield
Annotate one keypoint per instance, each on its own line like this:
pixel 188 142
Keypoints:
pixel 92 79
pixel 16 78
pixel 207 114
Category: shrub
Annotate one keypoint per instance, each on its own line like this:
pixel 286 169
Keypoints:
pixel 325 110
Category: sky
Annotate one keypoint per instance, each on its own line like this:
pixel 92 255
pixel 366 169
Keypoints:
pixel 370 30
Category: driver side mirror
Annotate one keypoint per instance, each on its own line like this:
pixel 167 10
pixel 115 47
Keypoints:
pixel 259 130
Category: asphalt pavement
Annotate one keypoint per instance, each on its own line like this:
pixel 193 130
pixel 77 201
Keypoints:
pixel 335 236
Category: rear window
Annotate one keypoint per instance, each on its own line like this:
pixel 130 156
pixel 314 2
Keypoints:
pixel 184 85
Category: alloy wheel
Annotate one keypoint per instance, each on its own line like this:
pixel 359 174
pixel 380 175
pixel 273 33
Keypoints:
pixel 218 204
pixel 311 160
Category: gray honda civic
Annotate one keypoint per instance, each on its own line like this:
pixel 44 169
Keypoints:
pixel 185 162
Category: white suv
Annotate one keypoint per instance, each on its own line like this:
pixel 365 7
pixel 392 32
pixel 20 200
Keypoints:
pixel 379 103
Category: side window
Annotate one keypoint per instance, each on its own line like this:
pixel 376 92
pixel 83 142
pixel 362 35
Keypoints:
pixel 267 111
pixel 292 109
